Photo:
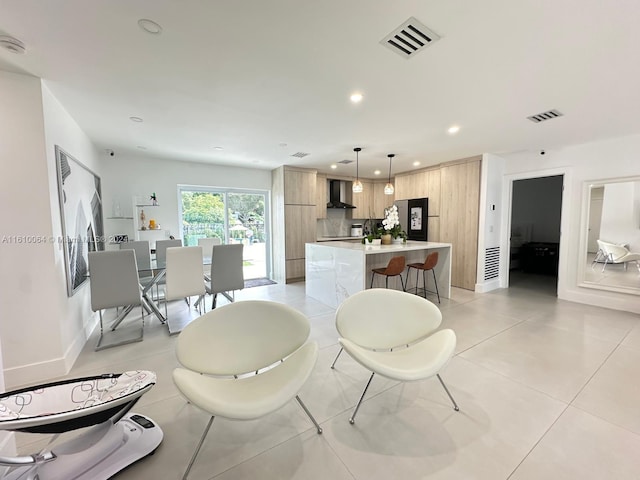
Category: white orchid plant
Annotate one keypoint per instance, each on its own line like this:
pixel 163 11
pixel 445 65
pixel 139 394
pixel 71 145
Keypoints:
pixel 391 222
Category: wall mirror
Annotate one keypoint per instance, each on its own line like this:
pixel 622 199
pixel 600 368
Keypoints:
pixel 610 228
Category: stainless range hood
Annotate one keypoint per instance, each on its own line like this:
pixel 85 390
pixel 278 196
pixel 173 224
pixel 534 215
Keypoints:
pixel 337 191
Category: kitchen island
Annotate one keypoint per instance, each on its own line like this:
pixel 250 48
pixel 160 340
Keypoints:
pixel 336 270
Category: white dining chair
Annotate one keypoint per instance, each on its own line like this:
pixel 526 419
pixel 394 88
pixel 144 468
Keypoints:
pixel 161 250
pixel 227 273
pixel 207 245
pixel 114 283
pixel 183 277
pixel 143 259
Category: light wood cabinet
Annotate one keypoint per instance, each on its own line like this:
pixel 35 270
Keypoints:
pixel 380 200
pixel 432 191
pixel 299 187
pixel 362 201
pixel 294 197
pixel 459 214
pixel 300 228
pixel 321 196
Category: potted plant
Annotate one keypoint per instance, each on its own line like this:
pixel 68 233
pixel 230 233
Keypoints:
pixel 392 228
pixel 374 237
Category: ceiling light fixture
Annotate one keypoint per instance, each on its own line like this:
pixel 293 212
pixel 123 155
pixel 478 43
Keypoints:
pixel 218 148
pixel 453 129
pixel 334 166
pixel 149 26
pixel 377 172
pixel 12 44
pixel 357 185
pixel 356 97
pixel 136 119
pixel 416 163
pixel 388 188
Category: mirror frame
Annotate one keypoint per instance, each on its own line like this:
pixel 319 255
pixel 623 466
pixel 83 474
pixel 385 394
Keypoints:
pixel 584 236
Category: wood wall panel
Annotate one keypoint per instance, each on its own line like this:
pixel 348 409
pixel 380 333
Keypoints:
pixel 459 213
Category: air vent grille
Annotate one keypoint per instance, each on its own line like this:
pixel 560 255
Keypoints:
pixel 410 38
pixel 548 115
pixel 345 162
pixel 300 154
pixel 492 263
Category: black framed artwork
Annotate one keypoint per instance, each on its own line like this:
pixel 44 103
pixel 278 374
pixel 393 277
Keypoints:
pixel 418 213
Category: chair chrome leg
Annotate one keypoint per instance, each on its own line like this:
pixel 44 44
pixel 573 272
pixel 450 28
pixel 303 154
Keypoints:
pixel 306 410
pixel 455 405
pixel 333 365
pixel 193 459
pixel 352 420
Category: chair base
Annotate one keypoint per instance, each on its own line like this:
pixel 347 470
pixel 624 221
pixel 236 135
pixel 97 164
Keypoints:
pixel 352 419
pixel 122 336
pixel 208 427
pixel 424 281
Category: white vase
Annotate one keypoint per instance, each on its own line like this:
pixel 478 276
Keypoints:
pixel 397 241
pixel 375 241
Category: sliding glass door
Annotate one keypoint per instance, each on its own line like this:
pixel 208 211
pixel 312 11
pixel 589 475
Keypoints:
pixel 233 216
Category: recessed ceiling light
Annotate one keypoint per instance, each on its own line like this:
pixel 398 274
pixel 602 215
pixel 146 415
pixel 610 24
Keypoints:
pixel 282 144
pixel 149 26
pixel 334 166
pixel 218 148
pixel 136 119
pixel 356 97
pixel 453 129
pixel 141 147
pixel 376 172
pixel 415 164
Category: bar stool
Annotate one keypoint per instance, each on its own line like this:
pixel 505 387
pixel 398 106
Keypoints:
pixel 394 268
pixel 429 264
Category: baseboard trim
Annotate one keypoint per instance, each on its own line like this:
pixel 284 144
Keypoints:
pixel 488 286
pixel 35 373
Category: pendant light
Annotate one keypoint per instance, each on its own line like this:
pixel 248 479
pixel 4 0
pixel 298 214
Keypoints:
pixel 388 188
pixel 357 185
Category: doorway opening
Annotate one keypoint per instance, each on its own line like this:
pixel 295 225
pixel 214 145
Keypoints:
pixel 233 216
pixel 536 207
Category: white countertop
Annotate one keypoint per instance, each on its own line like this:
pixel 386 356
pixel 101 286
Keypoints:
pixel 375 249
pixel 334 239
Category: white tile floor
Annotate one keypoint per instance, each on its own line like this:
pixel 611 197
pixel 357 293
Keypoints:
pixel 546 388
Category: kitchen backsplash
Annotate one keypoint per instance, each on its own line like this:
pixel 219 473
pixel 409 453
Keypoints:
pixel 336 225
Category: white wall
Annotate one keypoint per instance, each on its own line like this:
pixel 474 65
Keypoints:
pixel 125 177
pixel 490 214
pixel 620 221
pixel 42 330
pixel 76 320
pixel 579 163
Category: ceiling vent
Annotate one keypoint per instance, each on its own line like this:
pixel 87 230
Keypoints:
pixel 410 38
pixel 12 44
pixel 345 162
pixel 300 154
pixel 541 117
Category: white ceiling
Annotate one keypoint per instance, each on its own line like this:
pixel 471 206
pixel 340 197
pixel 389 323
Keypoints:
pixel 265 79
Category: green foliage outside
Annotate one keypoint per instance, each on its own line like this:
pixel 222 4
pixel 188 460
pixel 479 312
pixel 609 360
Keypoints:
pixel 203 216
